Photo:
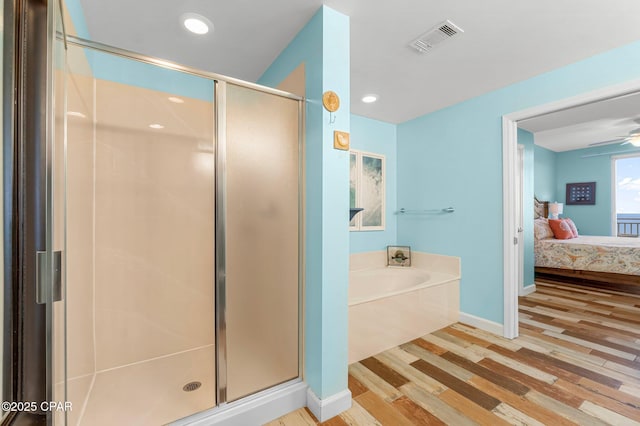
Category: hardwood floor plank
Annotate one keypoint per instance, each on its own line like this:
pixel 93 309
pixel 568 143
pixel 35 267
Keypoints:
pixel 543 325
pixel 603 401
pixel 534 384
pixel 489 337
pixel 591 345
pixel 557 345
pixel 334 421
pixel 621 377
pixel 373 382
pixel 566 411
pixel 386 373
pixel 575 370
pixel 628 349
pixel 358 416
pixel 401 355
pixel 355 386
pixel 471 409
pixel 454 346
pixel 436 406
pixel 465 336
pixel 492 376
pixel 416 376
pixel 631 398
pixel 537 363
pixel 382 410
pixel 515 417
pixel 435 360
pixel 606 415
pixel 520 403
pixel 417 414
pixel 482 399
pixel 428 346
pixel 512 364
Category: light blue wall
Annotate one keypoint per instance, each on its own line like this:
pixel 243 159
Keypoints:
pixel 545 174
pixel 571 167
pixel 378 137
pixel 454 157
pixel 109 67
pixel 323 45
pixel 526 138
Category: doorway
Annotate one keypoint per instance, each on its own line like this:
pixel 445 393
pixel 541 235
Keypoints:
pixel 510 192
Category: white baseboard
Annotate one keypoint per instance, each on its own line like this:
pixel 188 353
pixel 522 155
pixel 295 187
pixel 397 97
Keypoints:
pixel 525 291
pixel 481 323
pixel 329 407
pixel 254 410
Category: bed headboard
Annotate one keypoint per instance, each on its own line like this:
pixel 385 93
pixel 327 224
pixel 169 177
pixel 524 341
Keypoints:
pixel 540 208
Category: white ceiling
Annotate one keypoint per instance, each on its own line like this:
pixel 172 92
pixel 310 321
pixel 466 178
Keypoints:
pixel 579 127
pixel 505 41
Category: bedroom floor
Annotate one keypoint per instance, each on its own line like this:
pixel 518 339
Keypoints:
pixel 577 361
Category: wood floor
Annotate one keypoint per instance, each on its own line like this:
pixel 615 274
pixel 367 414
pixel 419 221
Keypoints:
pixel 576 362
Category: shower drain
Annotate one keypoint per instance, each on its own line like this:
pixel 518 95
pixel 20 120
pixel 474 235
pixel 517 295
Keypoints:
pixel 191 386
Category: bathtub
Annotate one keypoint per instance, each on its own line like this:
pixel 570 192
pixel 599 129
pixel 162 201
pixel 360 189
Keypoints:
pixel 391 306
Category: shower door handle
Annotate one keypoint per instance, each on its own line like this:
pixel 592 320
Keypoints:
pixel 48 286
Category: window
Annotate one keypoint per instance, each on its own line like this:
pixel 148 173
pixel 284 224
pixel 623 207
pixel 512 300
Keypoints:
pixel 367 191
pixel 627 195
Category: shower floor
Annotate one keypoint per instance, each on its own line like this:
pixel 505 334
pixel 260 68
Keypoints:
pixel 147 393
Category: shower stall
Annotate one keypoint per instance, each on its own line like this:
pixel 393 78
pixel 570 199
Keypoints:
pixel 153 243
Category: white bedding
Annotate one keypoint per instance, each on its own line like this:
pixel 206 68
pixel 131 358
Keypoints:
pixel 590 253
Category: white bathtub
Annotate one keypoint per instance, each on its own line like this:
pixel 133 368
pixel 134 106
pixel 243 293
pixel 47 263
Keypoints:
pixel 391 306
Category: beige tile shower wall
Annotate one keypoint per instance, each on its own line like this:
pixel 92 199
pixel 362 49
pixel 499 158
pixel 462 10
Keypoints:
pixel 79 294
pixel 154 225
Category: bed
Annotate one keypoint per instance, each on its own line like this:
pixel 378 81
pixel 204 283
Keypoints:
pixel 611 263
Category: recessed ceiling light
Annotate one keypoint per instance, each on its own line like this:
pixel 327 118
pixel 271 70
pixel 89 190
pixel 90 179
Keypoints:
pixel 176 100
pixel 368 99
pixel 197 24
pixel 76 114
pixel 156 126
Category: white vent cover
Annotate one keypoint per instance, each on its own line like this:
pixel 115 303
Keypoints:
pixel 436 35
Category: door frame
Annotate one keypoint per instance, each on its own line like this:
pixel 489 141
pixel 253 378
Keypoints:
pixel 520 216
pixel 509 194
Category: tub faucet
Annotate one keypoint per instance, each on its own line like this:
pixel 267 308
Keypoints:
pixel 399 256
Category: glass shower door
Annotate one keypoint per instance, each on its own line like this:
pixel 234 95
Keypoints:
pixel 262 251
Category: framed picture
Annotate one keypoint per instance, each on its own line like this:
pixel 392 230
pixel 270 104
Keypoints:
pixel 367 190
pixel 399 256
pixel 583 193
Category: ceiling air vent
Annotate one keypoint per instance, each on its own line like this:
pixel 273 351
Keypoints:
pixel 436 35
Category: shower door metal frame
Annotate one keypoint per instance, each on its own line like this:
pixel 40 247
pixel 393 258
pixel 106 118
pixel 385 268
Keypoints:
pixel 28 207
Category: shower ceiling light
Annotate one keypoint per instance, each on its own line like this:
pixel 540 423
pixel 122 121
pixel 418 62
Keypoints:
pixel 197 24
pixel 156 126
pixel 176 100
pixel 368 99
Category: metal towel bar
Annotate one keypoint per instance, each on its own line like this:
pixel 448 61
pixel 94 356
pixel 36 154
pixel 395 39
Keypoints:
pixel 430 211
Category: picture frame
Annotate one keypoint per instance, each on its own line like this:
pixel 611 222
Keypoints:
pixel 581 193
pixel 367 180
pixel 398 256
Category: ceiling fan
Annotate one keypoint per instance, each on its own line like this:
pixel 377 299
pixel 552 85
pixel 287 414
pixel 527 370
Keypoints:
pixel 632 138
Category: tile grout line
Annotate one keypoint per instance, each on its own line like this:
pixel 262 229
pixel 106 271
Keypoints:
pixel 106 370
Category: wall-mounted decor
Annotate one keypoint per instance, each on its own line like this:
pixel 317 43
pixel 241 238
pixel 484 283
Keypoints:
pixel 341 140
pixel 331 101
pixel 582 193
pixel 366 189
pixel 398 256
